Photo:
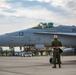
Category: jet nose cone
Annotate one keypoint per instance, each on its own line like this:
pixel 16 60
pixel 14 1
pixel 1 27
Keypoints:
pixel 4 40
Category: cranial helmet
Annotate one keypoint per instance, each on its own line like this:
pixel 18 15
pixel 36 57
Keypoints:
pixel 55 36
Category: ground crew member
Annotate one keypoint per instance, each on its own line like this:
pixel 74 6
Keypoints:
pixel 56 44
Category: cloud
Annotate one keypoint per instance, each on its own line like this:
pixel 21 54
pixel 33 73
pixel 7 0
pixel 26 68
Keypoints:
pixel 58 6
pixel 67 5
pixel 23 14
pixel 3 4
pixel 11 24
pixel 62 9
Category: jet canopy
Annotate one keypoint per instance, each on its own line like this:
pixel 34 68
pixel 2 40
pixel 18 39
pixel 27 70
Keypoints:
pixel 43 25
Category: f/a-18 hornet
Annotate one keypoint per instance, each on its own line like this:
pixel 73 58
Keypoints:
pixel 41 35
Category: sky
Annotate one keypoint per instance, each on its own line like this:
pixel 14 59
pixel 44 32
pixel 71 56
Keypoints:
pixel 17 15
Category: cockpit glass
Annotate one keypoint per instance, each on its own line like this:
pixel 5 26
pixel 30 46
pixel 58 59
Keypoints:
pixel 43 25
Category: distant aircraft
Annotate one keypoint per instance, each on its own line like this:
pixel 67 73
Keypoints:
pixel 40 36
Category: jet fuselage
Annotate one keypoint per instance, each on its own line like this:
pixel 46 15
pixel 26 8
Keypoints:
pixel 33 36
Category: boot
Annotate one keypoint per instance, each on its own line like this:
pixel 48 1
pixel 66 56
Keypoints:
pixel 59 66
pixel 54 66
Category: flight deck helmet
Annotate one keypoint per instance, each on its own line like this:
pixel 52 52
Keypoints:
pixel 55 36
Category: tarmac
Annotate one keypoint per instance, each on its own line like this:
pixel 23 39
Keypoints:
pixel 36 66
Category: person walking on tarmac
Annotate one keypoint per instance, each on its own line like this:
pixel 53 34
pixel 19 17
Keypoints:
pixel 56 44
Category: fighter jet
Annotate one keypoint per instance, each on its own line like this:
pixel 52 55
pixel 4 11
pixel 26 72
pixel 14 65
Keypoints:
pixel 40 36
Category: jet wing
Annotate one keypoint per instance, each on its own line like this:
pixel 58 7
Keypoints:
pixel 56 33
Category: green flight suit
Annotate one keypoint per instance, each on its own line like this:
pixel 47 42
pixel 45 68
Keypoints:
pixel 56 53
